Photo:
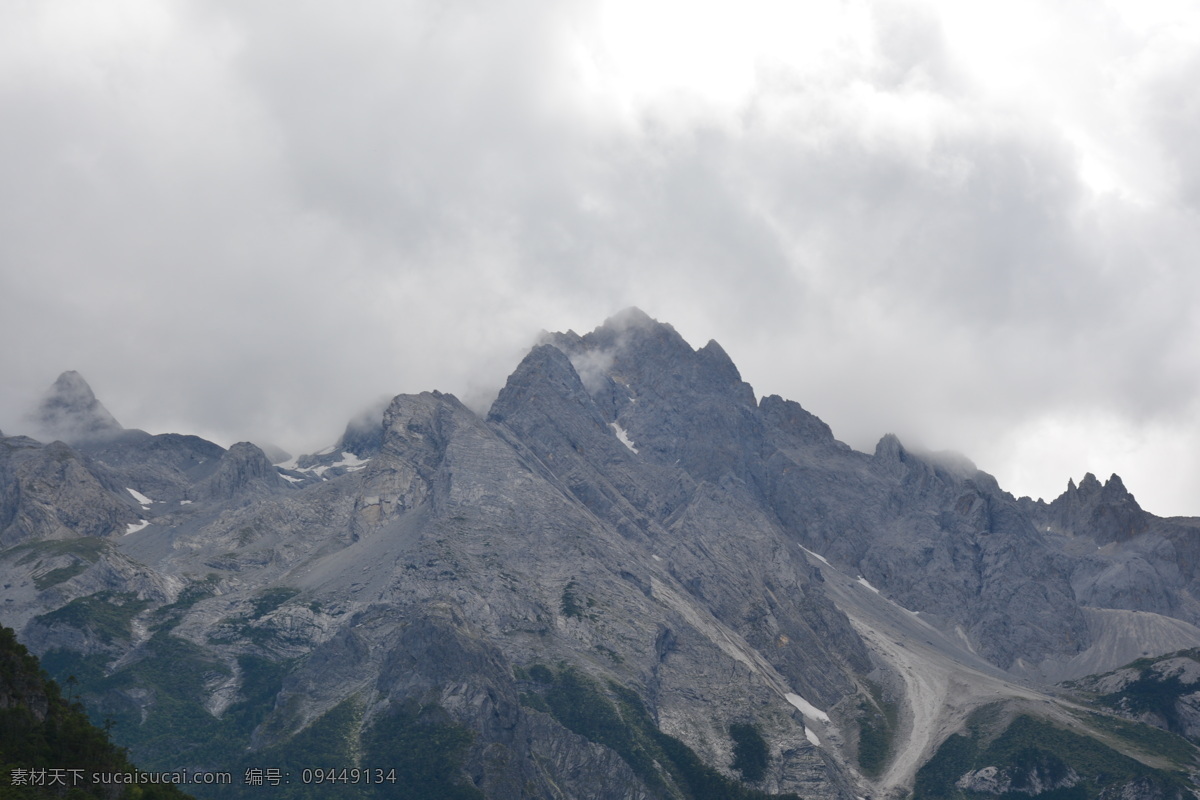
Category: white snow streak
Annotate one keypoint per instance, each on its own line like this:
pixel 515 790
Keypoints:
pixel 622 436
pixel 817 556
pixel 812 737
pixel 141 498
pixel 134 527
pixel 806 708
pixel 867 584
pixel 351 462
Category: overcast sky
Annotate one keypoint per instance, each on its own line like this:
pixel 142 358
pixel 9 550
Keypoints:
pixel 974 225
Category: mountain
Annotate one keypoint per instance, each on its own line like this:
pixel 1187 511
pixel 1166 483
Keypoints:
pixel 632 578
pixel 70 411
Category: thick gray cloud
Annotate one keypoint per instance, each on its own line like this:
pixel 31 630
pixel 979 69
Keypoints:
pixel 251 220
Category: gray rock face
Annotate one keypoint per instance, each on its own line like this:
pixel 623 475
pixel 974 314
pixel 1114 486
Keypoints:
pixel 70 411
pixel 364 434
pixel 935 533
pixel 242 469
pixel 164 467
pixel 1171 683
pixel 627 512
pixel 1040 777
pixel 52 492
pixel 274 453
pixel 1108 513
pixel 1122 556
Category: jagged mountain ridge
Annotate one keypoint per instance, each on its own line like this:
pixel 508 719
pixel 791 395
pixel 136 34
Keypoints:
pixel 627 510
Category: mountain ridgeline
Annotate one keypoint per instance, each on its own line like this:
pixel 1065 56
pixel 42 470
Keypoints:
pixel 630 579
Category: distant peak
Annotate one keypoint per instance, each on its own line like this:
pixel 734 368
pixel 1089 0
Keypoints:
pixel 1115 491
pixel 890 448
pixel 1106 513
pixel 633 323
pixel 70 411
pixel 714 349
pixel 631 316
pixel 1089 485
pixel 72 381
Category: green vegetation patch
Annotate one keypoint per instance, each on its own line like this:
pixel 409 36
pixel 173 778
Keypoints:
pixel 170 615
pixel 878 721
pixel 272 599
pixel 107 615
pixel 570 603
pixel 1031 748
pixel 329 743
pixel 750 752
pixel 85 551
pixel 618 719
pixel 155 705
pixel 251 627
pixel 1152 694
pixel 427 750
pixel 88 548
pixel 60 575
pixel 1147 738
pixel 64 739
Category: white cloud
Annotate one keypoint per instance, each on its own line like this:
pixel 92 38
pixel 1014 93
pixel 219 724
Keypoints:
pixel 975 229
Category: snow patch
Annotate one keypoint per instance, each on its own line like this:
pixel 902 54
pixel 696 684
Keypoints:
pixel 812 737
pixel 622 436
pixel 962 635
pixel 134 527
pixel 656 558
pixel 867 584
pixel 806 708
pixel 817 556
pixel 185 502
pixel 141 498
pixel 349 461
pixel 290 478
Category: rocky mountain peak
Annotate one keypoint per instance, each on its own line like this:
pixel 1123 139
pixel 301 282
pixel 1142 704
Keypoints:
pixel 632 319
pixel 792 419
pixel 1114 488
pixel 1089 485
pixel 70 411
pixel 889 448
pixel 634 334
pixel 545 366
pixel 1106 512
pixel 718 362
pixel 243 468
